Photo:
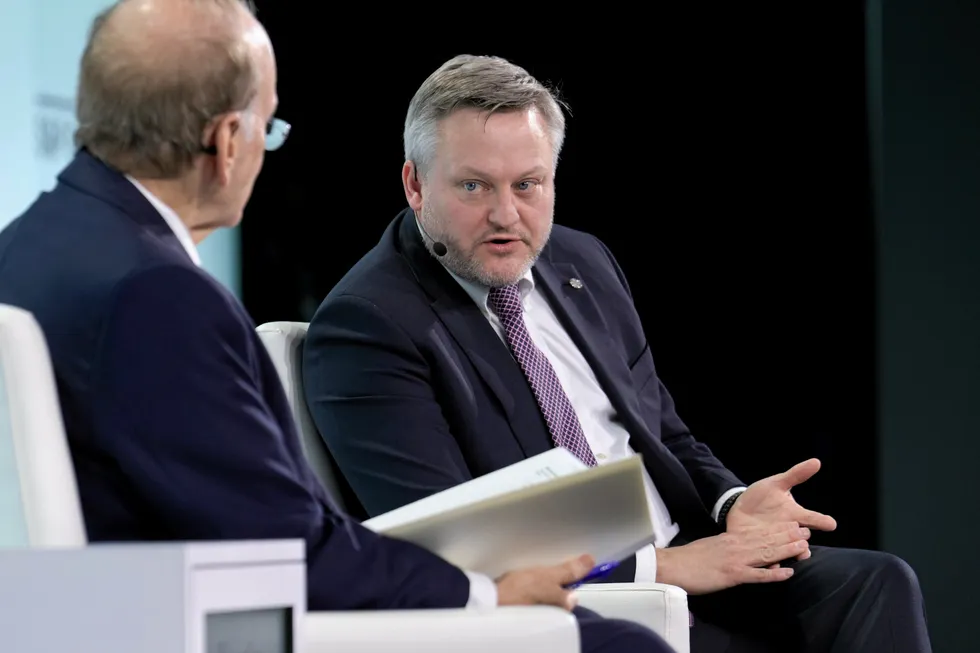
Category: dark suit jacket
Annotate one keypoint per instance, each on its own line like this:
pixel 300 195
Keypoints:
pixel 178 426
pixel 414 392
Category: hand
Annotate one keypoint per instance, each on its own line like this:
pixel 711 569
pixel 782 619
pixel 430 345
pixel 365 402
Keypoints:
pixel 770 501
pixel 716 563
pixel 543 585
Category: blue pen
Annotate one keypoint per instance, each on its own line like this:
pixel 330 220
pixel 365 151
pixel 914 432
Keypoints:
pixel 597 572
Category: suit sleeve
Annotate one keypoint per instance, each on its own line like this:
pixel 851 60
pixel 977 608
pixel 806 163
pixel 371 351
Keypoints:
pixel 180 409
pixel 711 478
pixel 370 393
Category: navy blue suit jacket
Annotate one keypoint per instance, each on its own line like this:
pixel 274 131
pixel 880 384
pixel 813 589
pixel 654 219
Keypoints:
pixel 177 423
pixel 414 392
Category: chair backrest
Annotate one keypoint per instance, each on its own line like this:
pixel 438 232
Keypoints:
pixel 284 341
pixel 39 504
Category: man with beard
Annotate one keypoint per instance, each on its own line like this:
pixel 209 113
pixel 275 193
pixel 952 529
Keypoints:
pixel 477 334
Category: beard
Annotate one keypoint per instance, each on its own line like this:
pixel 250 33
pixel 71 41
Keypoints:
pixel 465 263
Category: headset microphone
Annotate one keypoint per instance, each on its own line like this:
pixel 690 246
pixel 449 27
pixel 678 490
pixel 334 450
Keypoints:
pixel 439 249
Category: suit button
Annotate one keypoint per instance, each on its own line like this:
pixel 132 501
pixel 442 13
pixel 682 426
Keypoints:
pixel 601 456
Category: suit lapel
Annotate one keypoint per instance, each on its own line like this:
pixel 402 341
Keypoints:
pixel 477 339
pixel 580 315
pixel 577 310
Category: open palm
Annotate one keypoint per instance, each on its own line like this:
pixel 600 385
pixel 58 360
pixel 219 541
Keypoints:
pixel 770 501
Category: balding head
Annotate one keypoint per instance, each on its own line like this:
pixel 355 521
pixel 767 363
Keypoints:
pixel 156 73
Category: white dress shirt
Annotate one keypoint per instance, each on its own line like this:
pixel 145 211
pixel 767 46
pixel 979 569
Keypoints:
pixel 173 221
pixel 606 436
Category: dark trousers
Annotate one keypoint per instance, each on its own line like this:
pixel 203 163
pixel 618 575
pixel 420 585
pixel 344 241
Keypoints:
pixel 838 601
pixel 601 635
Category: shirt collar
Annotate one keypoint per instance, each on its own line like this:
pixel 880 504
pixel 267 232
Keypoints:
pixel 479 292
pixel 173 221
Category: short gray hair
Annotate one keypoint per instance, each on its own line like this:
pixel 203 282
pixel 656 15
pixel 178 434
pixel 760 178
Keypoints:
pixel 145 115
pixel 489 84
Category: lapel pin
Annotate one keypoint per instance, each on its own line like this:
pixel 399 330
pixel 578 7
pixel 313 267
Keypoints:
pixel 575 283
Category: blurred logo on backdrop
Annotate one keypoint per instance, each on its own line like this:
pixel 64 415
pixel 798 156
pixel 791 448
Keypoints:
pixel 54 127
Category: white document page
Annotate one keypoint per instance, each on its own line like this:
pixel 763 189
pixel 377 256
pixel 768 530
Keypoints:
pixel 555 463
pixel 545 519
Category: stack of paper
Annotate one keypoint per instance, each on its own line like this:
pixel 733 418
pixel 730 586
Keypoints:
pixel 541 511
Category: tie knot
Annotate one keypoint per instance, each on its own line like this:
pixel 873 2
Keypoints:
pixel 505 301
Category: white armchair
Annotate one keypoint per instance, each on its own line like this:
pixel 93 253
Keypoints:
pixel 662 608
pixel 39 504
pixel 40 508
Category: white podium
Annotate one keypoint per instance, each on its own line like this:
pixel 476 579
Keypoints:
pixel 221 597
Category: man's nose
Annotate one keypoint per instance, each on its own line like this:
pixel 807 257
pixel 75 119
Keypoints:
pixel 505 214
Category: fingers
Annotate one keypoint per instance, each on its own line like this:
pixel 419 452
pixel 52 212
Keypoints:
pixel 779 546
pixel 544 585
pixel 819 521
pixel 768 575
pixel 571 600
pixel 575 569
pixel 569 572
pixel 778 529
pixel 784 534
pixel 798 473
pixel 558 597
pixel 772 554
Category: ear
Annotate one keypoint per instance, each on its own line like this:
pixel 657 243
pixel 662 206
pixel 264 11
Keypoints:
pixel 412 183
pixel 227 146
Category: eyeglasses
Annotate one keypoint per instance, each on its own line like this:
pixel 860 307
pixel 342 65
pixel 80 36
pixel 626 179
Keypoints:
pixel 276 132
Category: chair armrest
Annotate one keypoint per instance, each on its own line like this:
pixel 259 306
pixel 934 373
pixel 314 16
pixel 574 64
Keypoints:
pixel 511 629
pixel 661 608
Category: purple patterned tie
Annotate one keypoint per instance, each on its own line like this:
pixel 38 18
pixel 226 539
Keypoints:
pixel 555 406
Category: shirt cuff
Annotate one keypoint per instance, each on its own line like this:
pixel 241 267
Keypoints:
pixel 725 497
pixel 646 565
pixel 483 591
